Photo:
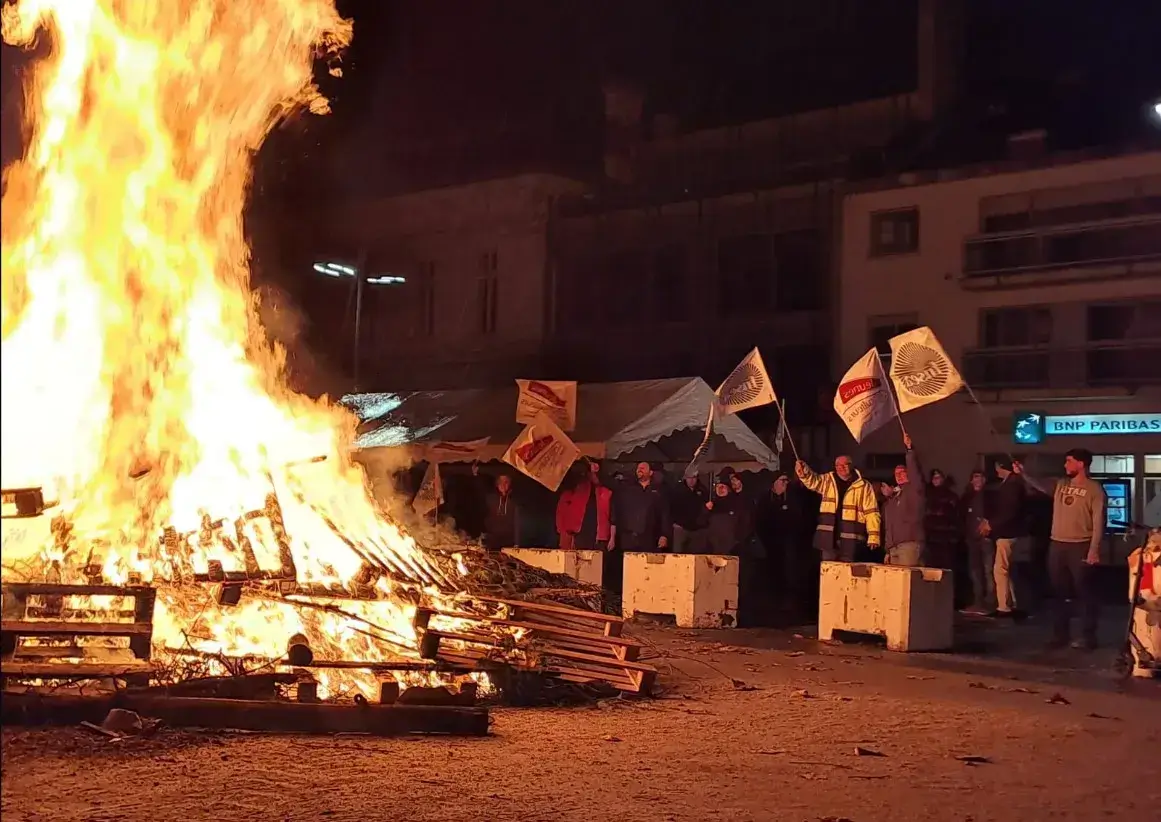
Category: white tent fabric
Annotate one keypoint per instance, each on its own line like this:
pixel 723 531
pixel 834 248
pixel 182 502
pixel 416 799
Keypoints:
pixel 654 420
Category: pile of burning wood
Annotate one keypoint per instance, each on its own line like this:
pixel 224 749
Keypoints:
pixel 73 650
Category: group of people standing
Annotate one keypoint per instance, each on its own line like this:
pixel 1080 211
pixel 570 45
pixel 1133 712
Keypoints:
pixel 916 522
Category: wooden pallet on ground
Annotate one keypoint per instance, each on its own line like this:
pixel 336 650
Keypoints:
pixel 67 657
pixel 566 643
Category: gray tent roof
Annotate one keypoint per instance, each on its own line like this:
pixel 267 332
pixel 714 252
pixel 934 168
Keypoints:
pixel 655 420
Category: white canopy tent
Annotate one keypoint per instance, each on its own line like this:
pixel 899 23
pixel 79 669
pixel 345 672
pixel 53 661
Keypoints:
pixel 651 420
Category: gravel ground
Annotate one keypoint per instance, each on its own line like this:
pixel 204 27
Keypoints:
pixel 804 732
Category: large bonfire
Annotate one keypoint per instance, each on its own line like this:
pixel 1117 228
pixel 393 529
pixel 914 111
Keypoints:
pixel 138 387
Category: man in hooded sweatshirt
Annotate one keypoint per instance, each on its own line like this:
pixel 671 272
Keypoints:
pixel 904 509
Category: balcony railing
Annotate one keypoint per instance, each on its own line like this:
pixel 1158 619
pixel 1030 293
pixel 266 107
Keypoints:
pixel 1090 245
pixel 1098 365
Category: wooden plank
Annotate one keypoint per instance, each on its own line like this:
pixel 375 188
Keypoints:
pixel 541 627
pixel 620 663
pixel 562 610
pixel 23 589
pixel 250 715
pixel 26 627
pixel 624 683
pixel 73 670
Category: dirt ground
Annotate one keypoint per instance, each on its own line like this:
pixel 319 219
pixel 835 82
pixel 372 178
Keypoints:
pixel 1058 739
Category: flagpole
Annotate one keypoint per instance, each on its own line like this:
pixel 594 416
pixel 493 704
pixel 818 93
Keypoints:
pixel 983 412
pixel 891 392
pixel 781 405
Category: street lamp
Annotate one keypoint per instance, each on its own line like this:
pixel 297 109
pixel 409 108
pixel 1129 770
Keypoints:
pixel 337 270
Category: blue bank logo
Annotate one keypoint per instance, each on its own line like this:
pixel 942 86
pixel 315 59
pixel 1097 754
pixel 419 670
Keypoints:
pixel 1028 428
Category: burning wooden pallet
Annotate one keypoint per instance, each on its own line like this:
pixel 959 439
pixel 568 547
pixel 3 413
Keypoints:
pixel 58 628
pixel 570 644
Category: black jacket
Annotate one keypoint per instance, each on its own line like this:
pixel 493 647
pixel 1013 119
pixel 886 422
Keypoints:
pixel 1007 508
pixel 727 522
pixel 781 521
pixel 687 506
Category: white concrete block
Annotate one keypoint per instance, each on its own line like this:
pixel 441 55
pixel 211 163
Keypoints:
pixel 583 566
pixel 25 538
pixel 913 608
pixel 699 590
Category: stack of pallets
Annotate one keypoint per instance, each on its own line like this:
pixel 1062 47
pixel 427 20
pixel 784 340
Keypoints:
pixel 566 643
pixel 44 632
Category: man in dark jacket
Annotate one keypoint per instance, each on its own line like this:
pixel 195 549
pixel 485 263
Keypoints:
pixel 1007 525
pixel 903 512
pixel 501 516
pixel 783 530
pixel 981 553
pixel 687 504
pixel 642 514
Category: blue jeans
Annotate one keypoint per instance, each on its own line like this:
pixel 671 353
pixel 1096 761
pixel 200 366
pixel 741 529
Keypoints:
pixel 908 554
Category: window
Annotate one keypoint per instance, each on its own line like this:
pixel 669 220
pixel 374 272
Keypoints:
pixel 800 273
pixel 745 274
pixel 1007 327
pixel 488 290
pixel 1116 465
pixel 1124 321
pixel 884 328
pixel 671 286
pixel 894 232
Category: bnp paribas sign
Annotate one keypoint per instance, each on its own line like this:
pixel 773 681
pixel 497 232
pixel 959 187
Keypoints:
pixel 1031 427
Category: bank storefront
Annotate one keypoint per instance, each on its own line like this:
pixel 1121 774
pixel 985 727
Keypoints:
pixel 1126 456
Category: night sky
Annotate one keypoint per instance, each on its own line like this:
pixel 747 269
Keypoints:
pixel 436 91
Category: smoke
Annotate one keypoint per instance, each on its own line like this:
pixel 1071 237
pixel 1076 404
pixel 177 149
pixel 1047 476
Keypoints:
pixel 286 325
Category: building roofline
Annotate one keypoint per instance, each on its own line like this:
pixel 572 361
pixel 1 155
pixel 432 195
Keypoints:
pixel 952 174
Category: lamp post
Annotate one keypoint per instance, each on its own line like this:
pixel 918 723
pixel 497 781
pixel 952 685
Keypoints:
pixel 356 273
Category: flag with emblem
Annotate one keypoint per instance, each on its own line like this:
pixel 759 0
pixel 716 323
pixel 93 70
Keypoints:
pixel 430 494
pixel 748 386
pixel 921 370
pixel 863 399
pixel 543 452
pixel 555 399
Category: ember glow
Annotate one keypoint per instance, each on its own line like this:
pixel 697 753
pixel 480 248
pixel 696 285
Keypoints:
pixel 138 387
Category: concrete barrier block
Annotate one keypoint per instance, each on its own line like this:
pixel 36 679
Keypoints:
pixel 698 590
pixel 583 566
pixel 913 608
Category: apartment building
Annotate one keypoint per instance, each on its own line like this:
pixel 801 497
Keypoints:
pixel 1042 279
pixel 453 280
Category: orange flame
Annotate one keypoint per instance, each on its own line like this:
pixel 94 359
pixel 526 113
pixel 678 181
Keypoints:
pixel 137 382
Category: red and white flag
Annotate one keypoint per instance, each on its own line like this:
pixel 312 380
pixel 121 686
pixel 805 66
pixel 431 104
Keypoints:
pixel 456 451
pixel 863 399
pixel 555 399
pixel 542 451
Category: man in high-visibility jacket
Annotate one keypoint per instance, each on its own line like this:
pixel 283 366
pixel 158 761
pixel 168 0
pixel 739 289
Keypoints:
pixel 849 515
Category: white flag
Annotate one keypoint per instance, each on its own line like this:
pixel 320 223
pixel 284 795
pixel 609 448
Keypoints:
pixel 542 451
pixel 430 494
pixel 456 451
pixel 863 399
pixel 748 386
pixel 555 399
pixel 780 433
pixel 921 370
